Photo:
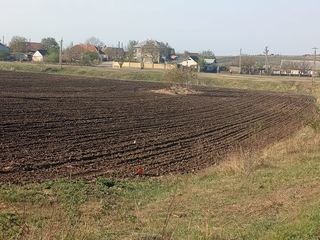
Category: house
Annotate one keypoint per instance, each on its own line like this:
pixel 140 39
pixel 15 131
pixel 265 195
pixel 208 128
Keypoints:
pixel 299 67
pixel 39 55
pixel 77 52
pixel 189 61
pixel 210 65
pixel 4 49
pixel 113 53
pixel 32 47
pixel 4 52
pixel 151 51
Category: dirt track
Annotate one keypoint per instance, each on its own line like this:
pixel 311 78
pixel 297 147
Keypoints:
pixel 54 126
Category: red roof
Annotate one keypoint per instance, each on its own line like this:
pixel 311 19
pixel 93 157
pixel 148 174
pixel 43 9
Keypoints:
pixel 85 48
pixel 33 46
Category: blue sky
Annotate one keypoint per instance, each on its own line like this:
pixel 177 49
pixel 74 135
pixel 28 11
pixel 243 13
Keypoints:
pixel 286 26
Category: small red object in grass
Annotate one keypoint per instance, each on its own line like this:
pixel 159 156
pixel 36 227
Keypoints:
pixel 140 171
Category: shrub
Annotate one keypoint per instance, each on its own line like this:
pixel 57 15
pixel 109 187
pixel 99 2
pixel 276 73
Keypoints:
pixel 181 75
pixel 90 58
pixel 53 56
pixel 105 182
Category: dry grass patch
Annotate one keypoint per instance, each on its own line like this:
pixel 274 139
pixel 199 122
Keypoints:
pixel 177 90
pixel 245 197
pixel 246 161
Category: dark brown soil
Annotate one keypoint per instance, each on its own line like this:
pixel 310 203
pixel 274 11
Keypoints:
pixel 55 126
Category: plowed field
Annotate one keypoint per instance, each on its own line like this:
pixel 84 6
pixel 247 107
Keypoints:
pixel 55 126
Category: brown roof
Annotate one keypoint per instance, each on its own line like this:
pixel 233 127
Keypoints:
pixel 85 48
pixel 33 46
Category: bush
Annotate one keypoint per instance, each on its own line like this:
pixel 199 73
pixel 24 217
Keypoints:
pixel 53 56
pixel 105 182
pixel 90 58
pixel 182 75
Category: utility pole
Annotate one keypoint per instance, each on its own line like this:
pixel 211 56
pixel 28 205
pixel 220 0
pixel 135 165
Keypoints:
pixel 60 53
pixel 266 52
pixel 314 63
pixel 240 62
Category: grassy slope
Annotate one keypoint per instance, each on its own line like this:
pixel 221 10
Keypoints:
pixel 100 72
pixel 272 194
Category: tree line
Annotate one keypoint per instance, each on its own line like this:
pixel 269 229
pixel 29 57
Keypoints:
pixel 19 45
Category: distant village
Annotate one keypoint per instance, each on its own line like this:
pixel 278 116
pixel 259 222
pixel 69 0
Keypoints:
pixel 152 54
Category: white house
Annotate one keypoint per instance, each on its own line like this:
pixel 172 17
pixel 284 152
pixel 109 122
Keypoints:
pixel 38 56
pixel 191 61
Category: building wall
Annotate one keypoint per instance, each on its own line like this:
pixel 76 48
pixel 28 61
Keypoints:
pixel 189 63
pixel 235 69
pixel 37 57
pixel 4 49
pixel 144 65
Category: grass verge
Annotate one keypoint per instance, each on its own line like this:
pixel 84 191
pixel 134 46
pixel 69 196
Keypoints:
pixel 86 71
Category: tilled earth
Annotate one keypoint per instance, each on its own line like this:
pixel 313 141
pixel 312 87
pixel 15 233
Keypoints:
pixel 58 126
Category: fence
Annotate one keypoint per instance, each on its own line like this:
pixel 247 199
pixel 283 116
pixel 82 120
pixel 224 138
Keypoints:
pixel 158 66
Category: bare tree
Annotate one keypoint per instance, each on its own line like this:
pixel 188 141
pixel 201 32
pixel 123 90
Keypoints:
pixel 248 63
pixel 95 42
pixel 305 67
pixel 130 50
pixel 302 66
pixel 151 51
pixel 207 54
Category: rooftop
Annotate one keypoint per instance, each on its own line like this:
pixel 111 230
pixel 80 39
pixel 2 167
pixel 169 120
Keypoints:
pixel 85 48
pixel 33 46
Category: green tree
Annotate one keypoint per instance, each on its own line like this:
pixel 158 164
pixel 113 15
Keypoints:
pixel 201 64
pixel 53 56
pixel 18 44
pixel 90 58
pixel 49 43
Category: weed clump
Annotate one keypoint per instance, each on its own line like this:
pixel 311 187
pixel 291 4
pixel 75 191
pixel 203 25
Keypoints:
pixel 106 182
pixel 181 76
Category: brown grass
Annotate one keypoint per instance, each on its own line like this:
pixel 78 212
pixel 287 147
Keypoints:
pixel 176 90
